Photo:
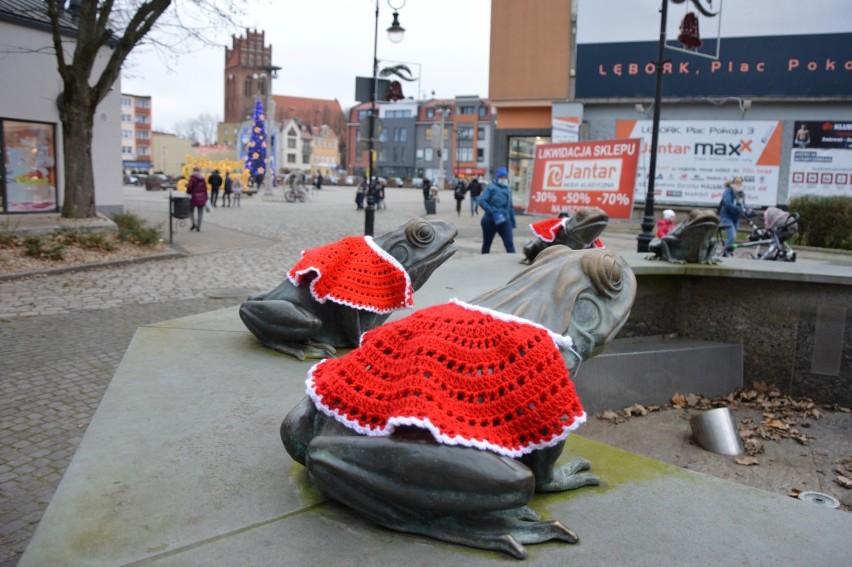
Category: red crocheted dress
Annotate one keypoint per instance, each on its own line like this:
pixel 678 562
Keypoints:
pixel 548 229
pixel 470 375
pixel 356 272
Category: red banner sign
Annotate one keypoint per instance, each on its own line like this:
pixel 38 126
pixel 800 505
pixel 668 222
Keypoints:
pixel 570 176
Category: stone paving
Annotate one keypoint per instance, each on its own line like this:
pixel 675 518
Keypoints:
pixel 62 336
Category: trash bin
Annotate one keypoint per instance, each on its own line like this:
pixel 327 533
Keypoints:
pixel 180 207
pixel 430 206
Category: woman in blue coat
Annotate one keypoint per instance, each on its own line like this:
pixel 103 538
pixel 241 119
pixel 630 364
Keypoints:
pixel 499 217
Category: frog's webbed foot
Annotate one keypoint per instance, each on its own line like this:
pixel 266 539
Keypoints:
pixel 307 349
pixel 652 257
pixel 569 477
pixel 671 260
pixel 505 531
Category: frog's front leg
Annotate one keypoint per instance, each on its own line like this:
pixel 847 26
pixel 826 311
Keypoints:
pixel 566 477
pixel 456 494
pixel 666 253
pixel 286 327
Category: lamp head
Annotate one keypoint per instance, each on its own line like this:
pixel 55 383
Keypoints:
pixel 396 32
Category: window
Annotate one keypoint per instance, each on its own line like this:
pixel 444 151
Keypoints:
pixel 464 154
pixel 398 114
pixel 465 133
pixel 306 158
pixel 427 154
pixel 428 134
pixel 143 134
pixel 480 133
pixel 126 118
pixel 126 101
pixel 144 151
pixel 127 134
pixel 141 119
pixel 291 158
pixel 127 149
pixel 480 155
pixel 430 113
pixel 291 143
pixel 143 103
pixel 467 110
pixel 363 114
pixel 483 111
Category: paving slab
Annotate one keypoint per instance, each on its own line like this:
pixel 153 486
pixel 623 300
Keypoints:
pixel 182 465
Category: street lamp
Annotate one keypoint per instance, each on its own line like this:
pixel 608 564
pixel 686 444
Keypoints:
pixel 395 35
pixel 648 219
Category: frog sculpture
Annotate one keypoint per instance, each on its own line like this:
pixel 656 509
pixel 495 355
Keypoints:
pixel 578 232
pixel 690 241
pixel 444 423
pixel 336 292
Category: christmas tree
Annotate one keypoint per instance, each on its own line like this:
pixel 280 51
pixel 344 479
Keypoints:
pixel 256 154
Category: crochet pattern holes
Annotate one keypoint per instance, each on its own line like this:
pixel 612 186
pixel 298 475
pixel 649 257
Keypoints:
pixel 511 397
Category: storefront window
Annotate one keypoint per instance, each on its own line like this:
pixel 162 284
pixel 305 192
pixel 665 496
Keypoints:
pixel 29 155
pixel 521 157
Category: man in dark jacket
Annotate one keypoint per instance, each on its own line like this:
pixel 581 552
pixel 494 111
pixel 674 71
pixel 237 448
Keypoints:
pixel 215 181
pixel 475 190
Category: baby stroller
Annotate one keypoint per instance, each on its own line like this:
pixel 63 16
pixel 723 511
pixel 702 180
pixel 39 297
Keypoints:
pixel 778 227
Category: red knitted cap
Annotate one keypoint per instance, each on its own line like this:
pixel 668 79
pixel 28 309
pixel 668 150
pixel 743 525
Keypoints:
pixel 471 376
pixel 548 229
pixel 356 272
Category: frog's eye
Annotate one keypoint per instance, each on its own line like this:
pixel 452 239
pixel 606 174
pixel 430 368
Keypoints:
pixel 420 233
pixel 605 273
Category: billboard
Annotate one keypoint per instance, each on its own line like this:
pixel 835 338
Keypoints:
pixel 799 49
pixel 821 159
pixel 569 176
pixel 694 157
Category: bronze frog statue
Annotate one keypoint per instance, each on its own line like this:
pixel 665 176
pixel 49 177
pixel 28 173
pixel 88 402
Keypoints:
pixel 578 232
pixel 389 429
pixel 690 241
pixel 303 319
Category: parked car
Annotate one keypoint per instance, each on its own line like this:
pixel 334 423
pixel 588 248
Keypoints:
pixel 417 182
pixel 130 179
pixel 396 182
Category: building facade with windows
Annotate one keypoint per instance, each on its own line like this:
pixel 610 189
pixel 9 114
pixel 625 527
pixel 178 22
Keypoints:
pixel 136 134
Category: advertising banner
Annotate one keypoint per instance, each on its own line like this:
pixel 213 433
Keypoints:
pixel 694 157
pixel 821 159
pixel 569 176
pixel 800 49
pixel 565 129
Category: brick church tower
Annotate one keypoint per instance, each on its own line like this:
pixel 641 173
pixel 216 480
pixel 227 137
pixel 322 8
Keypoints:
pixel 248 75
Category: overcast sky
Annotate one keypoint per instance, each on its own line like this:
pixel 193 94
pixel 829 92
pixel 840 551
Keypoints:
pixel 321 46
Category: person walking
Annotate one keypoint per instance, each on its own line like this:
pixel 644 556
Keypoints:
pixel 238 189
pixel 196 188
pixel 475 190
pixel 229 188
pixel 458 193
pixel 318 181
pixel 215 181
pixel 499 217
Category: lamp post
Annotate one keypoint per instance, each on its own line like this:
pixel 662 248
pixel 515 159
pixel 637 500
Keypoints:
pixel 395 35
pixel 648 219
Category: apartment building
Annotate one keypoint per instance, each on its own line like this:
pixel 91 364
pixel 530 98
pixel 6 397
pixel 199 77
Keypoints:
pixel 136 135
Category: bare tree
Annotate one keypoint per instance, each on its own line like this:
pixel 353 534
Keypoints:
pixel 202 130
pixel 119 26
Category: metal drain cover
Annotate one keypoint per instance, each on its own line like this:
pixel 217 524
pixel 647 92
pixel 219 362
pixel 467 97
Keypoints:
pixel 824 500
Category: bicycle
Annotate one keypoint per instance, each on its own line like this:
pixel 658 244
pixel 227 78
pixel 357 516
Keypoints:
pixel 296 193
pixel 764 242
